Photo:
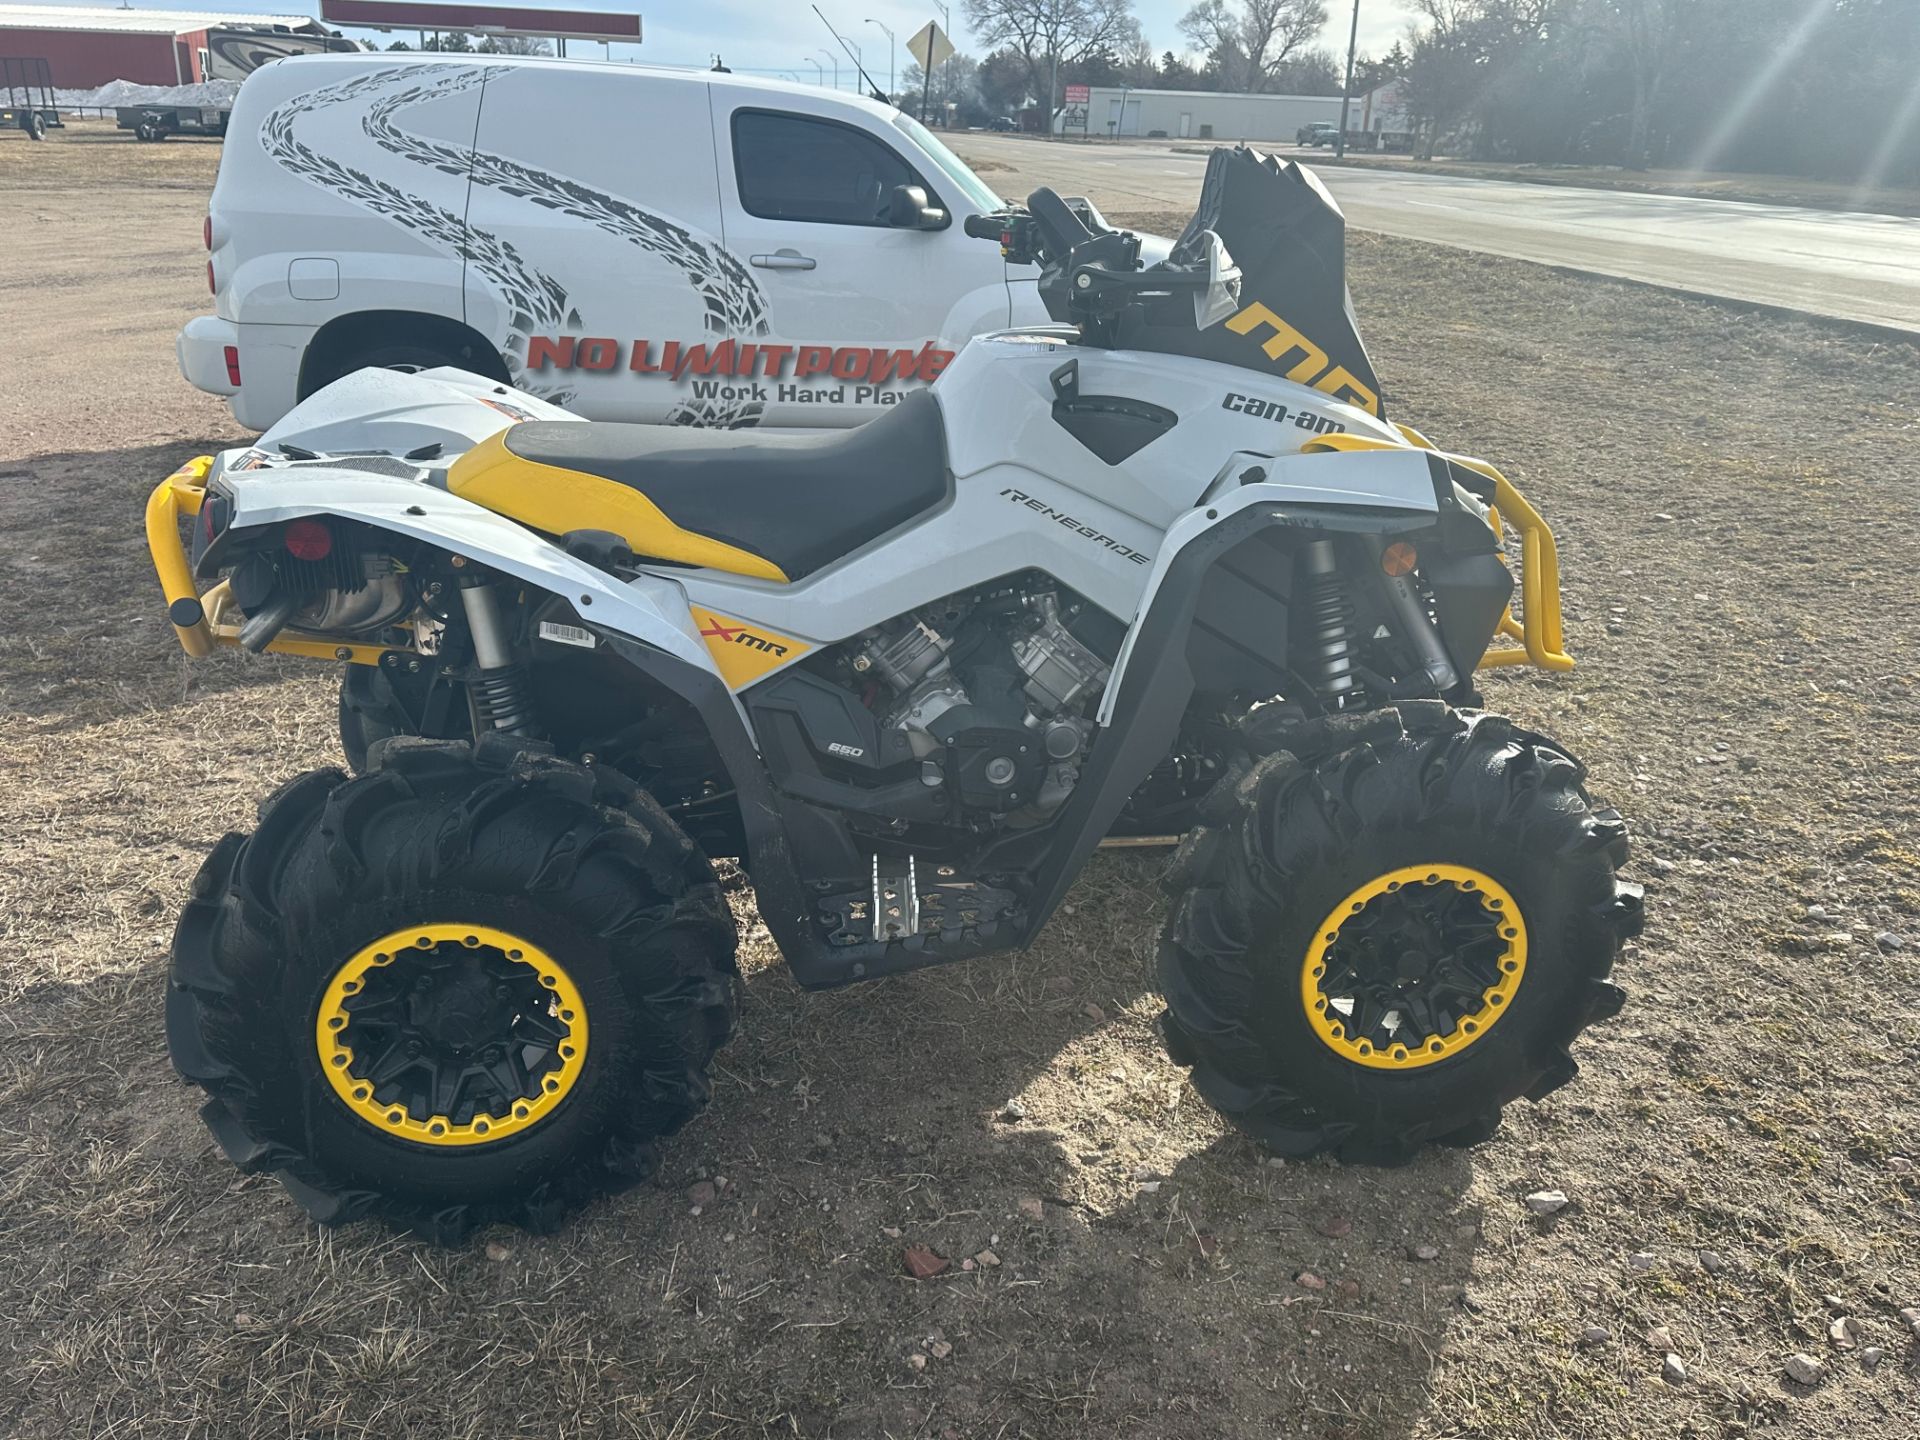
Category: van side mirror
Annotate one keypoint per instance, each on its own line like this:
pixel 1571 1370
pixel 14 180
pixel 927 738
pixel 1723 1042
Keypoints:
pixel 909 209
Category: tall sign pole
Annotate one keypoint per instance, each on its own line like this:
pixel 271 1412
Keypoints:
pixel 1346 91
pixel 930 47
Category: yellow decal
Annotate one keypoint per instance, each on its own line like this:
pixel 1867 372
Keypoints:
pixel 1302 361
pixel 743 651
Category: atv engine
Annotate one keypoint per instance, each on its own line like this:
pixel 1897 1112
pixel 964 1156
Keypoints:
pixel 990 692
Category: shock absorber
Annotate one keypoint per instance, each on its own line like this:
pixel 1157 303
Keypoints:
pixel 500 690
pixel 1325 625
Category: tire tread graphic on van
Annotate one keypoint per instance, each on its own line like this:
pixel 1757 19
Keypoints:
pixel 731 298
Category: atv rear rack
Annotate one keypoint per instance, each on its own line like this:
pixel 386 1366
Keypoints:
pixel 1537 627
pixel 201 621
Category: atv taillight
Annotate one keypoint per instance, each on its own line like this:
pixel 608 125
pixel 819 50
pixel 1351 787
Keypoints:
pixel 231 354
pixel 1399 559
pixel 206 232
pixel 308 539
pixel 212 289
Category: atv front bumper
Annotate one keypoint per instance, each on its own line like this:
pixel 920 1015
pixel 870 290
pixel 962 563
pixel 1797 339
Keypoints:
pixel 204 621
pixel 1537 626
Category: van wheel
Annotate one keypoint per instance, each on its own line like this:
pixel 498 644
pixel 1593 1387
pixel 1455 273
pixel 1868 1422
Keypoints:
pixel 403 357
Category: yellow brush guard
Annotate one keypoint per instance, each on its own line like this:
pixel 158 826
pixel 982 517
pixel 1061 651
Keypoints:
pixel 1537 626
pixel 183 493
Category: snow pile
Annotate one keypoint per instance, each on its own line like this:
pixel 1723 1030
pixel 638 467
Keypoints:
pixel 210 95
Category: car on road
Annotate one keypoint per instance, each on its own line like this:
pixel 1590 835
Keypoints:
pixel 793 257
pixel 1006 124
pixel 1317 132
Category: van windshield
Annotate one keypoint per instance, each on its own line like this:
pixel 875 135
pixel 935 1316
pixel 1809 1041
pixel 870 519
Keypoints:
pixel 951 165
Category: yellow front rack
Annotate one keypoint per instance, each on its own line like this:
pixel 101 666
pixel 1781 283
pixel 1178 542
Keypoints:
pixel 183 493
pixel 1537 627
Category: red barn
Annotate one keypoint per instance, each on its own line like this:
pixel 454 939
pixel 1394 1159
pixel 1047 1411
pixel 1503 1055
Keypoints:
pixel 86 46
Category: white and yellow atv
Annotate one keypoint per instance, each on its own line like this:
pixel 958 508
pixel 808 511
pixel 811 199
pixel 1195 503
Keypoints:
pixel 1166 567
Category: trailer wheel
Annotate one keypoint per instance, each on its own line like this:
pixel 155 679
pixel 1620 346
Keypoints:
pixel 35 125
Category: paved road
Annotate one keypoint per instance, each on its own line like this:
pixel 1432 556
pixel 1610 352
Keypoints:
pixel 1858 267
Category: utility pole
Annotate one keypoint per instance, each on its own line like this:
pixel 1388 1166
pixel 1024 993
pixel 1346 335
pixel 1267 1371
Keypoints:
pixel 836 66
pixel 889 35
pixel 1346 91
pixel 1053 84
pixel 946 28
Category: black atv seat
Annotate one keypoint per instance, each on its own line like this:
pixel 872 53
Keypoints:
pixel 799 502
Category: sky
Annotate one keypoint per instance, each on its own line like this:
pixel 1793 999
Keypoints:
pixel 773 37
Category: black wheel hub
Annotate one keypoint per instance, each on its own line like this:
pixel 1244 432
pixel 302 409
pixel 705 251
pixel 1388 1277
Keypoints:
pixel 453 1032
pixel 1415 962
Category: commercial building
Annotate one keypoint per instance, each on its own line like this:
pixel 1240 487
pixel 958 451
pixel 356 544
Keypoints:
pixel 87 46
pixel 1113 110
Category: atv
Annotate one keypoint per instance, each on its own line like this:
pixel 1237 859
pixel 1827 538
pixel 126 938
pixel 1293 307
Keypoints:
pixel 1164 568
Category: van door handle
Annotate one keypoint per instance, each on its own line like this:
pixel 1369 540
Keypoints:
pixel 784 260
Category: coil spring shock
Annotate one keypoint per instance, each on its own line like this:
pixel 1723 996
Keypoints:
pixel 500 696
pixel 1326 616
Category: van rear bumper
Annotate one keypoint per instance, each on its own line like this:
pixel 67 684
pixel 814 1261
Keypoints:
pixel 268 363
pixel 201 350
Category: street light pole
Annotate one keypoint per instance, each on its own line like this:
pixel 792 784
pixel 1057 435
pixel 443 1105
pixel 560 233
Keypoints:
pixel 819 73
pixel 946 28
pixel 1346 91
pixel 836 66
pixel 889 34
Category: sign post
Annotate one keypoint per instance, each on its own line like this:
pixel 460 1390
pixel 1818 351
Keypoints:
pixel 930 47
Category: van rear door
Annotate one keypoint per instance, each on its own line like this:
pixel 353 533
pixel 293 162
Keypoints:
pixel 594 229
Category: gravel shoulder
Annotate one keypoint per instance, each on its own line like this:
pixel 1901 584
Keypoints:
pixel 1730 493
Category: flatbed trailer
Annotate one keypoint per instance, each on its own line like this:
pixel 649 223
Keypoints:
pixel 29 103
pixel 157 122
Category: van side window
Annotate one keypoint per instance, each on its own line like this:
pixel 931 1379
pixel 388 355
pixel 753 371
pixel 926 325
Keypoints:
pixel 790 167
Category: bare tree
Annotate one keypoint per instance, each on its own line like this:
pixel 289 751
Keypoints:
pixel 1049 34
pixel 520 45
pixel 1647 31
pixel 1253 41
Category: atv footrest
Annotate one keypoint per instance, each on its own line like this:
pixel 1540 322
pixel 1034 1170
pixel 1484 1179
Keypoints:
pixel 901 907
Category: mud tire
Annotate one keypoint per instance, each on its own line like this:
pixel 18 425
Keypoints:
pixel 371 711
pixel 1315 809
pixel 576 859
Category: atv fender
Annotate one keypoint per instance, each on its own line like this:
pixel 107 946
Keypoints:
pixel 401 411
pixel 1395 490
pixel 647 610
pixel 1153 679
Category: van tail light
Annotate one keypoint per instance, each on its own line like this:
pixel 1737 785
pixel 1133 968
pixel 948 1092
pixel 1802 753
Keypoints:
pixel 231 354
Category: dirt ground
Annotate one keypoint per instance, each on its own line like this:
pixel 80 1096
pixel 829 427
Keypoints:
pixel 1731 494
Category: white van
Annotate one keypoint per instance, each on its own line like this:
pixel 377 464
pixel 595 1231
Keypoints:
pixel 630 242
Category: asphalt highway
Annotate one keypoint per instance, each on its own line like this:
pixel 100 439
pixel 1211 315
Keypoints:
pixel 1853 266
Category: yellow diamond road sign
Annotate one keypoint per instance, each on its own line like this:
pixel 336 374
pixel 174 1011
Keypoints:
pixel 930 46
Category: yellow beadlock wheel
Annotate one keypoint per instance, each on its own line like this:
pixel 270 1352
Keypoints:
pixel 1414 967
pixel 451 1034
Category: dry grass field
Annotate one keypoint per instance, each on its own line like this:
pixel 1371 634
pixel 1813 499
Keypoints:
pixel 1735 499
